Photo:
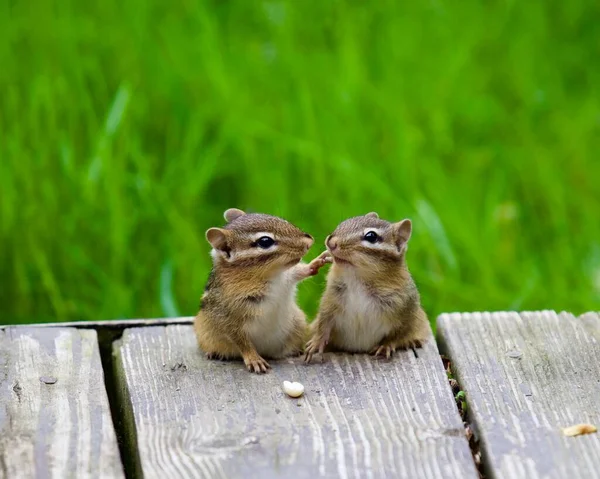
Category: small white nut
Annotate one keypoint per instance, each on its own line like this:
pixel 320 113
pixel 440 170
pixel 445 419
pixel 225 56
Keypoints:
pixel 293 389
pixel 578 429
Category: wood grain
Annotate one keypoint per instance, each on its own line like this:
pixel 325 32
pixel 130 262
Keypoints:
pixel 527 376
pixel 54 415
pixel 112 324
pixel 359 417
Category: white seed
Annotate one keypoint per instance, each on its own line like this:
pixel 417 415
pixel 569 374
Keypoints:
pixel 579 429
pixel 293 389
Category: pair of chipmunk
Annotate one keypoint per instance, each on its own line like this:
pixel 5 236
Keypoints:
pixel 249 310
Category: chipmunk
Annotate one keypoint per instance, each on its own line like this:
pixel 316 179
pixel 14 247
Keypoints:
pixel 371 303
pixel 248 308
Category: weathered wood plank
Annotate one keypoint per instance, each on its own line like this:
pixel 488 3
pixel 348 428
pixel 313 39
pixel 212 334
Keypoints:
pixel 111 324
pixel 591 322
pixel 359 417
pixel 527 376
pixel 54 415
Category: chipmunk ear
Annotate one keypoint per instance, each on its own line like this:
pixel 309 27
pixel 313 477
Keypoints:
pixel 402 232
pixel 373 215
pixel 217 238
pixel 232 213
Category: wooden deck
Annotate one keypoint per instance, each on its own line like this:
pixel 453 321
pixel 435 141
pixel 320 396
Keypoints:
pixel 138 399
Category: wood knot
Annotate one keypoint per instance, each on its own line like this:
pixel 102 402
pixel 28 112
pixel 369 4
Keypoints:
pixel 18 390
pixel 48 379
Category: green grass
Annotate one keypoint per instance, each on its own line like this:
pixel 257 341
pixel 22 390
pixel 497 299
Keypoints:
pixel 127 128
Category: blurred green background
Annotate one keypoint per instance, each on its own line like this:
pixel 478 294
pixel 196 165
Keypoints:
pixel 127 128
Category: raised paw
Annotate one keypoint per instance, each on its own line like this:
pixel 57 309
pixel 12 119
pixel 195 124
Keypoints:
pixel 256 364
pixel 316 264
pixel 314 346
pixel 385 350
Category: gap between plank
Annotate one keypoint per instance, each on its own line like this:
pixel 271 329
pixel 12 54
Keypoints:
pixel 120 404
pixel 471 432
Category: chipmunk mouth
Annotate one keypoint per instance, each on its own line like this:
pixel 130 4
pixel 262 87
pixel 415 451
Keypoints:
pixel 334 252
pixel 339 260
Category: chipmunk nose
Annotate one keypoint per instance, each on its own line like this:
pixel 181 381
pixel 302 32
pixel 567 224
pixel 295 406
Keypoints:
pixel 308 241
pixel 332 243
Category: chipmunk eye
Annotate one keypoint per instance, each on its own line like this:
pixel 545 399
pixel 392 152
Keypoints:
pixel 371 237
pixel 264 242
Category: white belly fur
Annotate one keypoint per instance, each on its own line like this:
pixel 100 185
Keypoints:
pixel 270 331
pixel 360 326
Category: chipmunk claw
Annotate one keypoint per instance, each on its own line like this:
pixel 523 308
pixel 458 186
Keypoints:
pixel 314 347
pixel 383 350
pixel 411 344
pixel 257 365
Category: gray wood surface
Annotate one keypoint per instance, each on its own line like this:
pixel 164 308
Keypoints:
pixel 527 376
pixel 54 415
pixel 591 322
pixel 112 324
pixel 359 417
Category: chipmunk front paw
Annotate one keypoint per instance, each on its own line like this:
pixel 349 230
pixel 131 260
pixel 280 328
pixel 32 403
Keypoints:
pixel 256 364
pixel 385 350
pixel 316 264
pixel 410 344
pixel 314 346
pixel 312 268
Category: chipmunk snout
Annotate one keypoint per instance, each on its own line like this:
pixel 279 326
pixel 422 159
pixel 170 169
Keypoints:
pixel 332 243
pixel 308 241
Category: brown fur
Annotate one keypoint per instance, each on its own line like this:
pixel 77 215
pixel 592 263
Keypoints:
pixel 249 288
pixel 371 303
